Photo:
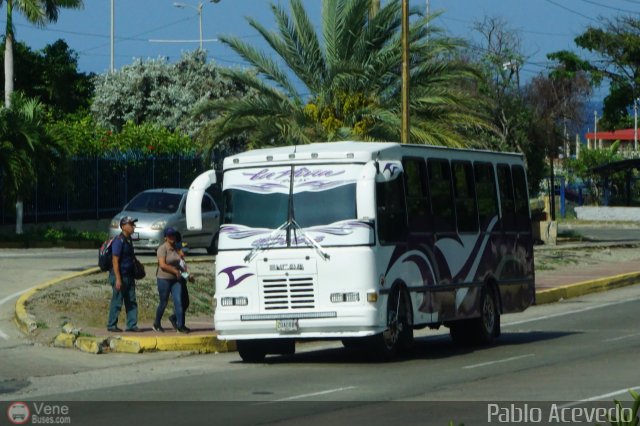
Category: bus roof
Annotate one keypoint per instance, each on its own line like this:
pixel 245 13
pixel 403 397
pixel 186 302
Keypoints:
pixel 347 151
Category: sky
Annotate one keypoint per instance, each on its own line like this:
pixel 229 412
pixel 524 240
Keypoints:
pixel 157 28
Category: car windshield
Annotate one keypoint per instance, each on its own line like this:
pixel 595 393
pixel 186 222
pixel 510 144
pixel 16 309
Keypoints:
pixel 155 202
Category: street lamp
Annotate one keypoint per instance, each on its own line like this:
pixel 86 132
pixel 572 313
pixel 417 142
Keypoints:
pixel 197 9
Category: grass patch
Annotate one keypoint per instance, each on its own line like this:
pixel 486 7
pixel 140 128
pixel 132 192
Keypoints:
pixel 55 236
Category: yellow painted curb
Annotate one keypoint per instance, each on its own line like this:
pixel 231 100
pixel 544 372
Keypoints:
pixel 64 340
pixel 202 344
pixel 133 345
pixel 586 287
pixel 92 345
pixel 27 322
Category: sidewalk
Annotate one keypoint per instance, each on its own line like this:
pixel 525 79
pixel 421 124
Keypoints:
pixel 551 286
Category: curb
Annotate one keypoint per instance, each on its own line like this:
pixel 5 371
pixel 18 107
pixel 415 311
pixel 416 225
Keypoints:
pixel 27 323
pixel 586 287
pixel 210 344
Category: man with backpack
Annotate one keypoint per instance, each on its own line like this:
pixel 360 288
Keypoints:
pixel 121 277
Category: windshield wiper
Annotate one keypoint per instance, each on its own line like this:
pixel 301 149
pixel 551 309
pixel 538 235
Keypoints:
pixel 271 240
pixel 313 242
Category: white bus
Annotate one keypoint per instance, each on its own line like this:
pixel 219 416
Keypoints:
pixel 365 242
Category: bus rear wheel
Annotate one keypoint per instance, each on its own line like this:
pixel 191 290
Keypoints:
pixel 481 330
pixel 487 327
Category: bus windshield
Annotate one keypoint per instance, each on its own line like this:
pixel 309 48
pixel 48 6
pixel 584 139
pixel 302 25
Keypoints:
pixel 265 198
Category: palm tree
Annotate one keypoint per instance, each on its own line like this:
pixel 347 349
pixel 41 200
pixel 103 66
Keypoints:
pixel 38 12
pixel 25 147
pixel 346 82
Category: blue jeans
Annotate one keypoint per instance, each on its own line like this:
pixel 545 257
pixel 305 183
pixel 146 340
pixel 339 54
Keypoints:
pixel 173 287
pixel 127 294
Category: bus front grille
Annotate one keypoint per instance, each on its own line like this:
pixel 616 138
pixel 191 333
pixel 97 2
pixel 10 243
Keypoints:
pixel 288 293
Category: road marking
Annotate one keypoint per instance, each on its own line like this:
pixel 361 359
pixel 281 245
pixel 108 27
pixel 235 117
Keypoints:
pixel 599 397
pixel 621 337
pixel 308 395
pixel 560 314
pixel 5 300
pixel 513 358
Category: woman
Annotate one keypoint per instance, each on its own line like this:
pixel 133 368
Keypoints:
pixel 169 277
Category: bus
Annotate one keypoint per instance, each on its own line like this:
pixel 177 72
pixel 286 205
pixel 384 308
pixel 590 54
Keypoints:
pixel 366 242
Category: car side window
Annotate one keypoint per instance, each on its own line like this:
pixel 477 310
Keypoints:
pixel 207 204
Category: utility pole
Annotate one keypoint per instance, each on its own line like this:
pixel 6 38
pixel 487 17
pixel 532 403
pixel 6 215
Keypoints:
pixel 635 124
pixel 374 7
pixel 113 66
pixel 595 129
pixel 405 72
pixel 427 14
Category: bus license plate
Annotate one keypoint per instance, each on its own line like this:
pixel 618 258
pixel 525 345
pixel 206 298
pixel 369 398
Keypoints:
pixel 285 325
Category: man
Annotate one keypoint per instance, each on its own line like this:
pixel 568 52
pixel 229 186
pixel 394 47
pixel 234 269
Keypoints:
pixel 121 278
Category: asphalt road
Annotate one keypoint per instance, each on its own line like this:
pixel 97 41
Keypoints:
pixel 579 350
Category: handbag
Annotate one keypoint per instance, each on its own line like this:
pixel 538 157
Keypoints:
pixel 138 270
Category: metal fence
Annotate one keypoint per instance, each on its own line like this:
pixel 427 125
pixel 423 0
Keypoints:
pixel 97 188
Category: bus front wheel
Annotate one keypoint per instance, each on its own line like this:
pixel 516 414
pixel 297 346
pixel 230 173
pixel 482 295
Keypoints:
pixel 399 333
pixel 251 350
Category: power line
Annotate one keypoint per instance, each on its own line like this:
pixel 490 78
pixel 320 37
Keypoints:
pixel 519 30
pixel 610 7
pixel 73 32
pixel 571 10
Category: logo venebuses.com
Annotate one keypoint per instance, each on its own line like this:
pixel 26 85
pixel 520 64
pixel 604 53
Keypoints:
pixel 19 413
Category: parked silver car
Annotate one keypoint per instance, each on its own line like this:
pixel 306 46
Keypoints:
pixel 157 209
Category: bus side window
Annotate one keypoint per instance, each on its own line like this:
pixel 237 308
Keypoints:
pixel 392 211
pixel 523 220
pixel 465 196
pixel 506 198
pixel 486 194
pixel 444 216
pixel 416 192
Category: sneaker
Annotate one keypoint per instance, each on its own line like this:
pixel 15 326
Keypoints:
pixel 157 327
pixel 174 322
pixel 134 329
pixel 184 329
pixel 114 329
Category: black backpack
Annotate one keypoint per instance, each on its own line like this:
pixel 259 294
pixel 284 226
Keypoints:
pixel 105 255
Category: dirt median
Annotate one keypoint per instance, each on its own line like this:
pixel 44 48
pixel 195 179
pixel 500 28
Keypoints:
pixel 84 302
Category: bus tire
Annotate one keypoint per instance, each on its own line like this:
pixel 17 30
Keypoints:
pixel 487 326
pixel 354 343
pixel 251 350
pixel 398 336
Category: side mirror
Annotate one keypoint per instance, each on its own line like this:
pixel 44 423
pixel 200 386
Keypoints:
pixel 194 199
pixel 365 192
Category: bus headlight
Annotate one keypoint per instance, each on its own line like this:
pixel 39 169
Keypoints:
pixel 345 297
pixel 234 301
pixel 372 297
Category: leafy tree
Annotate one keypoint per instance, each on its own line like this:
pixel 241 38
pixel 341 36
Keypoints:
pixel 38 12
pixel 160 93
pixel 616 46
pixel 347 81
pixel 51 75
pixel 25 146
pixel 81 136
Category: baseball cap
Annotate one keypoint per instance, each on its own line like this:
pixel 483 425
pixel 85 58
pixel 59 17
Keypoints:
pixel 127 219
pixel 170 231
